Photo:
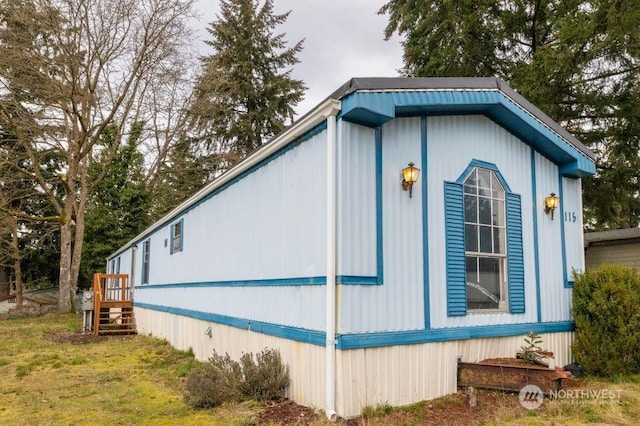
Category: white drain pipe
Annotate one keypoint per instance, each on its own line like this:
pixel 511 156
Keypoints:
pixel 330 381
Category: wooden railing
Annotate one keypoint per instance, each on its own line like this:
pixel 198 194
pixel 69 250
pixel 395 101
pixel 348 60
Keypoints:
pixel 112 304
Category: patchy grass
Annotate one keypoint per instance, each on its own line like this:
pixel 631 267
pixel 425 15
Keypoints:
pixel 51 377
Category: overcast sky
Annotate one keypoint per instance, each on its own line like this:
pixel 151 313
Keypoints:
pixel 343 39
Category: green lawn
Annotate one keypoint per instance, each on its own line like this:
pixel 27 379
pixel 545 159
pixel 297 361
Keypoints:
pixel 52 376
pixel 47 380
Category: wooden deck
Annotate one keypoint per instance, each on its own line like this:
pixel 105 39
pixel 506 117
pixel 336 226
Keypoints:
pixel 112 305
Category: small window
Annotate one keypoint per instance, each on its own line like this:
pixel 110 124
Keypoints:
pixel 485 241
pixel 177 236
pixel 145 261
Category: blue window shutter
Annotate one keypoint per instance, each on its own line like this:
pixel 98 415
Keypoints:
pixel 456 270
pixel 171 239
pixel 181 233
pixel 515 258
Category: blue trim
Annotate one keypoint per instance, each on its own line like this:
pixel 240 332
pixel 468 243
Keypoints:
pixel 565 273
pixel 376 108
pixel 292 333
pixel 515 257
pixel 393 338
pixel 483 165
pixel 379 224
pixel 455 249
pixel 274 282
pixel 536 252
pixel 425 222
pixel 367 340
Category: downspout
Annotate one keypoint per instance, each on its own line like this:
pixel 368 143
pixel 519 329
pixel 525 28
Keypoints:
pixel 330 381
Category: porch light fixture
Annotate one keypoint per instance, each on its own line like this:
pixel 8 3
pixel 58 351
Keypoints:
pixel 551 203
pixel 409 177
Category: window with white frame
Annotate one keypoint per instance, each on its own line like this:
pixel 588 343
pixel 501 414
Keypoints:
pixel 145 261
pixel 485 241
pixel 177 236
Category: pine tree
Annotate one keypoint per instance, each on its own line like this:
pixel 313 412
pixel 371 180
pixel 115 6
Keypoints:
pixel 245 94
pixel 579 61
pixel 118 206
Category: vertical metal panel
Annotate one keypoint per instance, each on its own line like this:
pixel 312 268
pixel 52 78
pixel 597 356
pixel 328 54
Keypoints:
pixel 572 217
pixel 357 200
pixel 453 142
pixel 269 224
pixel 398 302
pixel 305 361
pixel 555 298
pixel 400 375
pixel 295 306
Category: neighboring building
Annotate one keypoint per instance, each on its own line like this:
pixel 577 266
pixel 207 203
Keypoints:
pixel 312 246
pixel 620 246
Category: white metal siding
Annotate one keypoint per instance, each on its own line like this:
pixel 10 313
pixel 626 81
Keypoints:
pixel 305 361
pixel 555 298
pixel 400 375
pixel 398 302
pixel 572 217
pixel 452 143
pixel 356 209
pixel 268 225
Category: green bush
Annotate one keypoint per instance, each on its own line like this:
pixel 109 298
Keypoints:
pixel 606 303
pixel 223 379
pixel 214 383
pixel 266 378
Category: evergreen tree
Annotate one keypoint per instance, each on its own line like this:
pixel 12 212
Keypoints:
pixel 579 61
pixel 118 206
pixel 245 94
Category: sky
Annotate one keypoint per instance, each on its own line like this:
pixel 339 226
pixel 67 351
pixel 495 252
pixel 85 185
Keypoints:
pixel 342 39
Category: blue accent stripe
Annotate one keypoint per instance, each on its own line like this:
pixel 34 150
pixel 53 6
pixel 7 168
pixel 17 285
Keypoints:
pixel 367 340
pixel 393 338
pixel 379 224
pixel 565 273
pixel 275 282
pixel 536 253
pixel 425 222
pixel 292 333
pixel 455 248
pixel 515 258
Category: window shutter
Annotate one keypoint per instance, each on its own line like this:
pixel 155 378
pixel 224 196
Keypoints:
pixel 181 233
pixel 171 239
pixel 515 258
pixel 456 270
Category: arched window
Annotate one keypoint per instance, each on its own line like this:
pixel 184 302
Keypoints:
pixel 484 253
pixel 485 242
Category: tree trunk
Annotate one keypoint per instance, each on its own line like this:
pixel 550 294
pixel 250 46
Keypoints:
pixel 79 231
pixel 17 269
pixel 66 233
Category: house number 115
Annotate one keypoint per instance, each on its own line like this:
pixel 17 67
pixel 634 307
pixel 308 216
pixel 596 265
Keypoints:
pixel 570 217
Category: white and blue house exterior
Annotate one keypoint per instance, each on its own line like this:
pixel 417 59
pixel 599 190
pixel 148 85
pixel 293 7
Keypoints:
pixel 312 247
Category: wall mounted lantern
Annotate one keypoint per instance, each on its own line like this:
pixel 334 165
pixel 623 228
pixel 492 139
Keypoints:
pixel 409 177
pixel 551 203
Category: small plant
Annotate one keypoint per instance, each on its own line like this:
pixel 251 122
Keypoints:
pixel 262 378
pixel 266 378
pixel 381 409
pixel 531 352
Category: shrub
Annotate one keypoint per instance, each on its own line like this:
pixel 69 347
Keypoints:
pixel 214 383
pixel 266 378
pixel 223 379
pixel 606 303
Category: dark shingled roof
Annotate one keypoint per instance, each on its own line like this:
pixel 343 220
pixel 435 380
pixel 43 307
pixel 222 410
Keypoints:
pixel 456 83
pixel 614 235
